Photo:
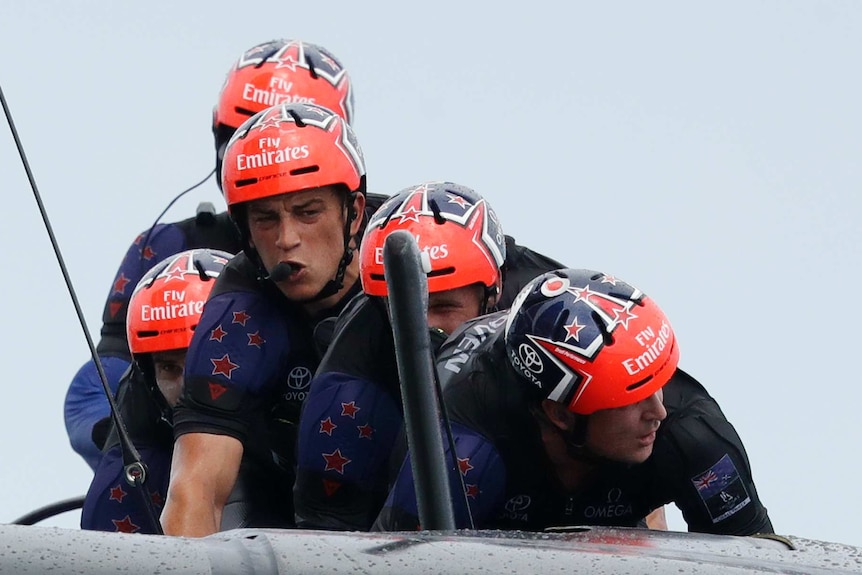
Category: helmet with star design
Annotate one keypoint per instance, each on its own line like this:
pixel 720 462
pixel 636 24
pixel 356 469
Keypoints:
pixel 167 303
pixel 279 72
pixel 589 340
pixel 456 230
pixel 291 148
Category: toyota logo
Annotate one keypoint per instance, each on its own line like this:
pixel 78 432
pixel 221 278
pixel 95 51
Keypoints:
pixel 530 358
pixel 518 503
pixel 299 377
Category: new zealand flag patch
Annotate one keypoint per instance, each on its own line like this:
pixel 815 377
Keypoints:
pixel 721 489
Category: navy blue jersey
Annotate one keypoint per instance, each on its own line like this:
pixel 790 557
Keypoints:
pixel 351 422
pixel 85 403
pixel 698 460
pixel 111 503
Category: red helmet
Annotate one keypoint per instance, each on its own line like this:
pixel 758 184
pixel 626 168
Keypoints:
pixel 589 340
pixel 455 228
pixel 283 72
pixel 166 305
pixel 290 148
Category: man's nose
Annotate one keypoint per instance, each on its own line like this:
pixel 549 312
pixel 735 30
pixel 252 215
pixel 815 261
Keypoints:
pixel 288 236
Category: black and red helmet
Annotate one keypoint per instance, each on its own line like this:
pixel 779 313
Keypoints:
pixel 290 148
pixel 454 227
pixel 589 340
pixel 167 303
pixel 279 72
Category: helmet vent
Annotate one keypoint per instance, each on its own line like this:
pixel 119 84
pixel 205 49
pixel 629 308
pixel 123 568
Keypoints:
pixel 305 170
pixel 441 272
pixel 202 272
pixel 435 209
pixel 246 182
pixel 148 333
pixel 607 336
pixel 243 111
pixel 638 384
pixel 296 118
pixel 310 63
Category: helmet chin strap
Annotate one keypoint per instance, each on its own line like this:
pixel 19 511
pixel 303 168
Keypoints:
pixel 335 285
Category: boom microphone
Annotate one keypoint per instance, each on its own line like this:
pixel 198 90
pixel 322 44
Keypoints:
pixel 280 272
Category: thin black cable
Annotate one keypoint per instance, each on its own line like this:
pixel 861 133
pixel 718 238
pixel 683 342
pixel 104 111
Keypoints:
pixel 132 461
pixel 169 206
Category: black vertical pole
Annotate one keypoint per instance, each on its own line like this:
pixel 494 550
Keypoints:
pixel 408 306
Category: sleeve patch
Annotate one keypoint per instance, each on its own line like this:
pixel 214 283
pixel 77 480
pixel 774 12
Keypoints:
pixel 721 489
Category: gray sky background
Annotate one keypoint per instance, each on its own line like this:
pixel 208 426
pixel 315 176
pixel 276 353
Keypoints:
pixel 707 153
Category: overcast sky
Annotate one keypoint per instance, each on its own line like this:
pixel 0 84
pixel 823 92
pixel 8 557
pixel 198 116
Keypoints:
pixel 709 154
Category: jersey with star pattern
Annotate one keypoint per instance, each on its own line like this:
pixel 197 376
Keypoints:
pixel 85 404
pixel 248 368
pixel 111 503
pixel 698 460
pixel 351 422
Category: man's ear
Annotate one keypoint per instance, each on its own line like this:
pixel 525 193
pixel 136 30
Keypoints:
pixel 358 213
pixel 557 414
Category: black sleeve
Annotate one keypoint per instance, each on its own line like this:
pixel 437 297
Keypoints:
pixel 702 464
pixel 522 265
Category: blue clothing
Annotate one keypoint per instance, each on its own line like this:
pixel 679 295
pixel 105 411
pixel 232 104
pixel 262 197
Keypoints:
pixel 352 419
pixel 247 373
pixel 698 460
pixel 111 503
pixel 85 403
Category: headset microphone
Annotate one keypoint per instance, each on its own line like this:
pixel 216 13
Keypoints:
pixel 280 272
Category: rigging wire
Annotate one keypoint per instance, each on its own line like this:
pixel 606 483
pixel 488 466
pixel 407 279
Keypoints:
pixel 134 467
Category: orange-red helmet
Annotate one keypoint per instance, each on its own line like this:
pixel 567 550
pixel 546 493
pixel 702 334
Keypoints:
pixel 589 340
pixel 166 305
pixel 455 228
pixel 279 72
pixel 290 148
pixel 283 72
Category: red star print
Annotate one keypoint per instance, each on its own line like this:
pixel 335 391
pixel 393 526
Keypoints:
pixel 115 307
pixel 217 390
pixel 125 525
pixel 455 199
pixel 241 317
pixel 330 486
pixel 223 366
pixel 217 334
pixel 349 409
pixel 176 273
pixel 582 294
pixel 255 339
pixel 472 490
pixel 464 465
pixel 573 329
pixel 335 461
pixel 147 253
pixel 623 317
pixel 138 239
pixel 327 427
pixel 606 279
pixel 117 494
pixel 157 499
pixel 365 431
pixel 120 284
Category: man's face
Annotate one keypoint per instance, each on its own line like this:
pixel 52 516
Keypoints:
pixel 169 367
pixel 626 434
pixel 304 229
pixel 450 308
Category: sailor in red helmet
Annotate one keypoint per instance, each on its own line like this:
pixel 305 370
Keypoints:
pixel 164 310
pixel 570 409
pixel 294 181
pixel 274 72
pixel 352 417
